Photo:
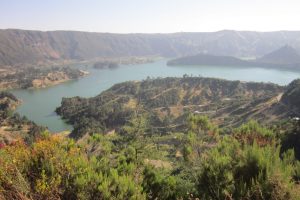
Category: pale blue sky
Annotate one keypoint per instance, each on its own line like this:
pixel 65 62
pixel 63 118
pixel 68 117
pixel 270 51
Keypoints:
pixel 150 16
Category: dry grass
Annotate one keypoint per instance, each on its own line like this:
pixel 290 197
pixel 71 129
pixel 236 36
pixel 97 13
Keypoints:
pixel 159 163
pixel 131 104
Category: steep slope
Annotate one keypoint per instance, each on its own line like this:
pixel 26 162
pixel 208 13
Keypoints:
pixel 19 47
pixel 291 97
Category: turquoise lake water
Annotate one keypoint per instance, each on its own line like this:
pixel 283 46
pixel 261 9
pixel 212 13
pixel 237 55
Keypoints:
pixel 39 104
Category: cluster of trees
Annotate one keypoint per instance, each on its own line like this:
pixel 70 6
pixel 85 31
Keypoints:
pixel 105 64
pixel 7 100
pixel 70 72
pixel 7 103
pixel 57 168
pixel 112 63
pixel 249 162
pixel 97 114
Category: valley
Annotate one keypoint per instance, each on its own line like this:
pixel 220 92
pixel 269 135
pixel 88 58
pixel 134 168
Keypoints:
pixel 149 100
pixel 121 121
pixel 30 48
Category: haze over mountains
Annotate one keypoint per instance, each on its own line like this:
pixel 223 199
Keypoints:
pixel 285 57
pixel 30 47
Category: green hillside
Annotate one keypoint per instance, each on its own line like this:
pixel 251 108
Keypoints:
pixel 166 102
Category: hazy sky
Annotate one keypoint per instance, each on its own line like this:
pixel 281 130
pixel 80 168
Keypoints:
pixel 148 16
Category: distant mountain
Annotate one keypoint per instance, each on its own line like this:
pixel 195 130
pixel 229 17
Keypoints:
pixel 285 58
pixel 204 59
pixel 284 55
pixel 19 47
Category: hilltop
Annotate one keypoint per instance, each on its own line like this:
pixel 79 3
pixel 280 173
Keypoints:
pixel 165 103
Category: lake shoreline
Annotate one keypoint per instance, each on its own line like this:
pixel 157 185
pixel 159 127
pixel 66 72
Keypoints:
pixel 39 104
